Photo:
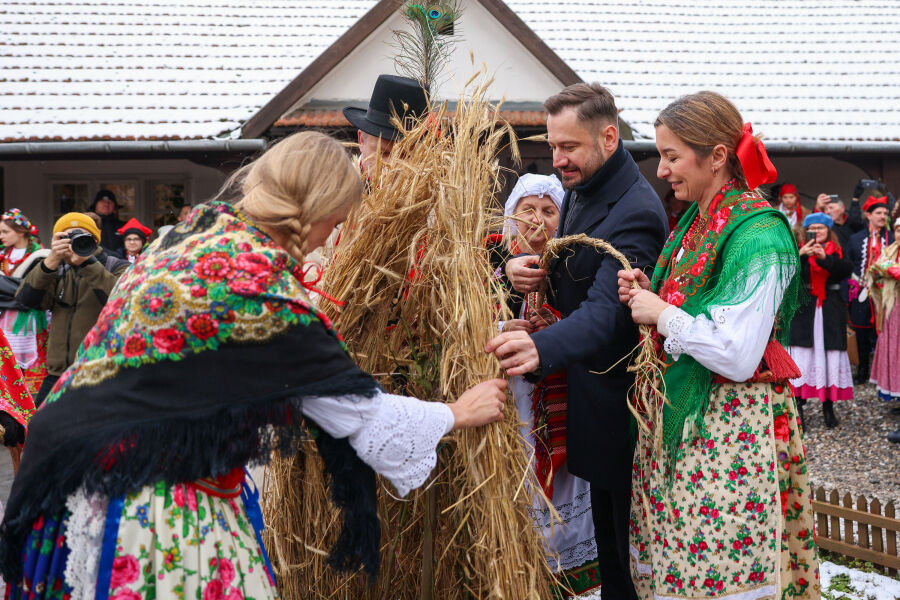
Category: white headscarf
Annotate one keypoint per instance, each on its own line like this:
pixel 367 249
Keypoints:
pixel 530 184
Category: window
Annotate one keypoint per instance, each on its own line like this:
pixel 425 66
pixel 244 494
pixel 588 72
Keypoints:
pixel 167 200
pixel 155 200
pixel 70 197
pixel 125 196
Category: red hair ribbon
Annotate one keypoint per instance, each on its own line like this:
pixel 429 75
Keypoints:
pixel 311 285
pixel 758 169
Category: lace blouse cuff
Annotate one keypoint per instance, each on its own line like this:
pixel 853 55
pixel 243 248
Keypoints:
pixel 673 322
pixel 399 439
pixel 395 435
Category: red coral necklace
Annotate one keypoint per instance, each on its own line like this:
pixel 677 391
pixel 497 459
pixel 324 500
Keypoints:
pixel 699 227
pixel 10 264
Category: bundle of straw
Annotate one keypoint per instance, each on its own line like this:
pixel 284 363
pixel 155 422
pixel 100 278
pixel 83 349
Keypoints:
pixel 420 304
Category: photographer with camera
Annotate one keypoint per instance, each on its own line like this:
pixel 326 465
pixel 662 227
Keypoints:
pixel 73 283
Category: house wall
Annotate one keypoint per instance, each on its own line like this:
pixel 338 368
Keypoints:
pixel 518 75
pixel 29 185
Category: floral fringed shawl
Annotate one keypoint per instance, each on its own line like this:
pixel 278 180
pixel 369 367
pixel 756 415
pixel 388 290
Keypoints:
pixel 196 366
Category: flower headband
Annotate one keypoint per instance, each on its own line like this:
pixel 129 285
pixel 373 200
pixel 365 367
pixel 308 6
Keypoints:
pixel 15 215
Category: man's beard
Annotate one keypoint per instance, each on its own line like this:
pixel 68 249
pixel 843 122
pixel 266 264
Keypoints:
pixel 596 161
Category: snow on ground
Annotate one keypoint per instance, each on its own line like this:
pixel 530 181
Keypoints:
pixel 866 586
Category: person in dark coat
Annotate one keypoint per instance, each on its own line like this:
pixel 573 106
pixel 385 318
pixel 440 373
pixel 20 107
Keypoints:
pixel 846 222
pixel 819 328
pixel 107 207
pixel 607 198
pixel 863 249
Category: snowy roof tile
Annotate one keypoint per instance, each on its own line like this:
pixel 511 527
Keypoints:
pixel 162 69
pixel 154 69
pixel 827 70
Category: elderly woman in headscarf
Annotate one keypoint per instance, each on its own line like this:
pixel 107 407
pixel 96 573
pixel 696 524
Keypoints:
pixel 531 217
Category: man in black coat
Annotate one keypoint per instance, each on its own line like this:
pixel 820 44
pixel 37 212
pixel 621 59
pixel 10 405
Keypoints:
pixel 107 207
pixel 845 223
pixel 607 198
pixel 863 249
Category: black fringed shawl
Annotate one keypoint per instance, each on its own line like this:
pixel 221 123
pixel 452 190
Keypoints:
pixel 197 365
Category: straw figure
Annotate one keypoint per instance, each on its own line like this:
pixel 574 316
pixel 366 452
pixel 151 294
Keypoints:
pixel 414 275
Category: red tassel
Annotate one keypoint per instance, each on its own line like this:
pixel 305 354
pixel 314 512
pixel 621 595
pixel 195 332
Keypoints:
pixel 780 362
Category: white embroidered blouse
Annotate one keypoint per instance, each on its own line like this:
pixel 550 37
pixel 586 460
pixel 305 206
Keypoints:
pixel 395 435
pixel 732 342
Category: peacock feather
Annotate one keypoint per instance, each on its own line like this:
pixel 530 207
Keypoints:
pixel 424 50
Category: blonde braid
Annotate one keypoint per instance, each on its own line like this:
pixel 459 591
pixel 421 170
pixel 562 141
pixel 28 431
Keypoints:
pixel 297 239
pixel 304 179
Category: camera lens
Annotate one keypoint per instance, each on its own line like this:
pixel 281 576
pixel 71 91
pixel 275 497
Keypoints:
pixel 83 244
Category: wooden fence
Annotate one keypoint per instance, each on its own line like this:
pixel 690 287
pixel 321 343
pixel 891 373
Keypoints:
pixel 865 532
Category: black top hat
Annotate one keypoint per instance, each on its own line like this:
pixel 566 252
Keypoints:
pixel 407 97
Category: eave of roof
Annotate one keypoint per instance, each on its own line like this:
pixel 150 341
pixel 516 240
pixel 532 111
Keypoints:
pixel 112 150
pixel 335 118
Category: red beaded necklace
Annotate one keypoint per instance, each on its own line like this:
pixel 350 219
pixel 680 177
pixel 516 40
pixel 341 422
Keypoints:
pixel 699 226
pixel 9 265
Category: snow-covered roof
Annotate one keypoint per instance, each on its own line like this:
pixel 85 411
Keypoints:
pixel 164 69
pixel 154 69
pixel 800 70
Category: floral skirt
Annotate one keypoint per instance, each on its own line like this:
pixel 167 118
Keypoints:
pixel 29 345
pixel 737 521
pixel 34 375
pixel 886 364
pixel 183 541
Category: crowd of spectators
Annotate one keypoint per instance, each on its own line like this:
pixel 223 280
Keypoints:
pixel 50 298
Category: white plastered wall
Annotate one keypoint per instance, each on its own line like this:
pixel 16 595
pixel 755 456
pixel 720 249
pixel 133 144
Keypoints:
pixel 518 75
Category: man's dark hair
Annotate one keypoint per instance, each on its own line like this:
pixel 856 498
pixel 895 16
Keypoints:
pixel 592 102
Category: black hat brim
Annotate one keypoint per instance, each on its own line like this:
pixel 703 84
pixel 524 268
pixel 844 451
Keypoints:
pixel 357 118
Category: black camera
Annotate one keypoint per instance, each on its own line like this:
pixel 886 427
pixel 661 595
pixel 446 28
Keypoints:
pixel 83 243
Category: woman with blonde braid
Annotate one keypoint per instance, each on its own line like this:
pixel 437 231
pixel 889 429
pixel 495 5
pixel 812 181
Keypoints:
pixel 207 357
pixel 720 503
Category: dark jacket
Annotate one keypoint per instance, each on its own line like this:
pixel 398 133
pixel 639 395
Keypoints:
pixel 74 296
pixel 851 225
pixel 109 236
pixel 617 205
pixel 834 309
pixel 861 314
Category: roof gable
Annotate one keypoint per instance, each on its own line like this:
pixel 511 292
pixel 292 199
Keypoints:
pixel 523 67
